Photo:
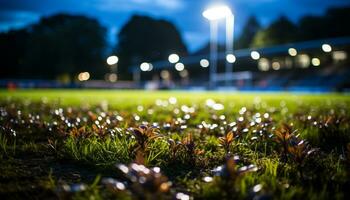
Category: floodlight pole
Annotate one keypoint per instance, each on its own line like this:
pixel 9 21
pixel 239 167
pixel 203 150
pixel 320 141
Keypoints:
pixel 213 15
pixel 213 53
pixel 229 46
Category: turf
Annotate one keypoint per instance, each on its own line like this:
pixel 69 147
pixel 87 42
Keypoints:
pixel 132 97
pixel 228 145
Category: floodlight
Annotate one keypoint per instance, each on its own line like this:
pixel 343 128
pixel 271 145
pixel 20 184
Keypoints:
pixel 217 12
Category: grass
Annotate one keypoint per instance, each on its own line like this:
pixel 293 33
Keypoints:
pixel 78 144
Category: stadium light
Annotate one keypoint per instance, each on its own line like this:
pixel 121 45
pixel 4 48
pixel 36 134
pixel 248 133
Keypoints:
pixel 204 63
pixel 326 48
pixel 230 58
pixel 146 66
pixel 179 67
pixel 255 55
pixel 173 58
pixel 217 12
pixel 84 76
pixel 276 65
pixel 315 62
pixel 292 52
pixel 213 14
pixel 112 60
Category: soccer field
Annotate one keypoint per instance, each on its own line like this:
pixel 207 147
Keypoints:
pixel 108 144
pixel 130 97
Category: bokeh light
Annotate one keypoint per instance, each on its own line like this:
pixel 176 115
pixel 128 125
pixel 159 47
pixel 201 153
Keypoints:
pixel 112 77
pixel 255 55
pixel 112 60
pixel 173 58
pixel 315 62
pixel 146 66
pixel 164 74
pixel 204 63
pixel 339 55
pixel 84 76
pixel 303 60
pixel 179 66
pixel 217 12
pixel 326 48
pixel 264 64
pixel 276 65
pixel 184 73
pixel 292 52
pixel 230 58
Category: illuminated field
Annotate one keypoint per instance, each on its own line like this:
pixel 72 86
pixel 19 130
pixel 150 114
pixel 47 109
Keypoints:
pixel 168 145
pixel 133 97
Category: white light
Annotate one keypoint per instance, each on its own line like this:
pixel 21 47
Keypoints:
pixel 209 102
pixel 111 60
pixel 146 66
pixel 172 100
pixel 150 66
pixel 315 62
pixel 217 12
pixel 255 55
pixel 257 188
pixel 120 186
pixel 173 58
pixel 276 65
pixel 231 58
pixel 204 63
pixel 182 196
pixel 208 179
pixel 292 52
pixel 326 48
pixel 179 66
pixel 218 106
pixel 123 168
pixel 156 169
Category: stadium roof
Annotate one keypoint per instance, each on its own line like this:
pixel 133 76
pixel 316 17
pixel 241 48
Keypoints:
pixel 265 51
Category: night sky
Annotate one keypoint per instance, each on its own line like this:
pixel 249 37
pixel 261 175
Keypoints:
pixel 186 14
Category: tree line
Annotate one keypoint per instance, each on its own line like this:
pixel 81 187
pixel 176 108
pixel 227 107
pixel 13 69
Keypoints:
pixel 333 24
pixel 62 46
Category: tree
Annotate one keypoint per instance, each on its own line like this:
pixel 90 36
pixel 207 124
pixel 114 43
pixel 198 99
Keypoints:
pixel 279 32
pixel 337 22
pixel 12 50
pixel 144 39
pixel 65 45
pixel 311 28
pixel 333 24
pixel 249 31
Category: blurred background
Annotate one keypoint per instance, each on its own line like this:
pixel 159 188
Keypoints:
pixel 255 45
